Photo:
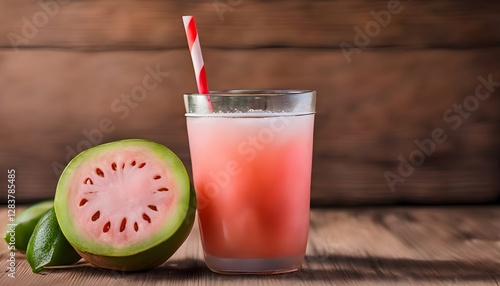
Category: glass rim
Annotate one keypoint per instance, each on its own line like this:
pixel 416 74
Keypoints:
pixel 252 92
pixel 251 103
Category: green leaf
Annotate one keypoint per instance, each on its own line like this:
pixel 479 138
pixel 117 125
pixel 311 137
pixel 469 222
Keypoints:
pixel 48 246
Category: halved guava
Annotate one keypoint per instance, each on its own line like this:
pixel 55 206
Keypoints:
pixel 125 205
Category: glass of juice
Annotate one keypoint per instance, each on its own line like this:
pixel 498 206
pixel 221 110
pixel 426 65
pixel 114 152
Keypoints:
pixel 251 155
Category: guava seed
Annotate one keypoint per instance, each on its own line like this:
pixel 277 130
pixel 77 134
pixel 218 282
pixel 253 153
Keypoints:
pixel 106 227
pixel 83 201
pixel 146 218
pixel 96 216
pixel 122 226
pixel 99 172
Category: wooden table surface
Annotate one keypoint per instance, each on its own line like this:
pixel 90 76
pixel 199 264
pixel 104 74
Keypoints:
pixel 457 245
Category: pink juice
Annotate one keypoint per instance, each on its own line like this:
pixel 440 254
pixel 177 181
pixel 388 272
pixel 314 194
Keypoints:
pixel 252 174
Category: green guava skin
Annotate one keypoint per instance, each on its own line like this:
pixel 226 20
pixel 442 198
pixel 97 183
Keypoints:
pixel 25 224
pixel 131 260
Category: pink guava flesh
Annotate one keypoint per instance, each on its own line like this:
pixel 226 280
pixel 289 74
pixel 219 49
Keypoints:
pixel 125 205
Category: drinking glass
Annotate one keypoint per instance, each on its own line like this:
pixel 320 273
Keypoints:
pixel 251 155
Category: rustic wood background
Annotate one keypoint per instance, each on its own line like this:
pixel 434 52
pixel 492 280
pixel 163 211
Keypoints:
pixel 64 77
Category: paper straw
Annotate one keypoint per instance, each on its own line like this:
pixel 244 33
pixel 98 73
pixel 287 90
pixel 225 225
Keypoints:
pixel 196 56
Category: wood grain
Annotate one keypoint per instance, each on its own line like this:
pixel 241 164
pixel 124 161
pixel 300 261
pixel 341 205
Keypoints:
pixel 357 246
pixel 369 113
pixel 153 24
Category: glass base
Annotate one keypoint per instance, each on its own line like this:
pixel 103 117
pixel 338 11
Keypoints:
pixel 254 265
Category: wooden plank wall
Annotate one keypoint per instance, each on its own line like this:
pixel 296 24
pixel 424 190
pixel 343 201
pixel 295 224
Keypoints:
pixel 67 69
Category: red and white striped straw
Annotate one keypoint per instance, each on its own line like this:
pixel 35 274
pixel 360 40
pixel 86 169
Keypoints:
pixel 196 56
